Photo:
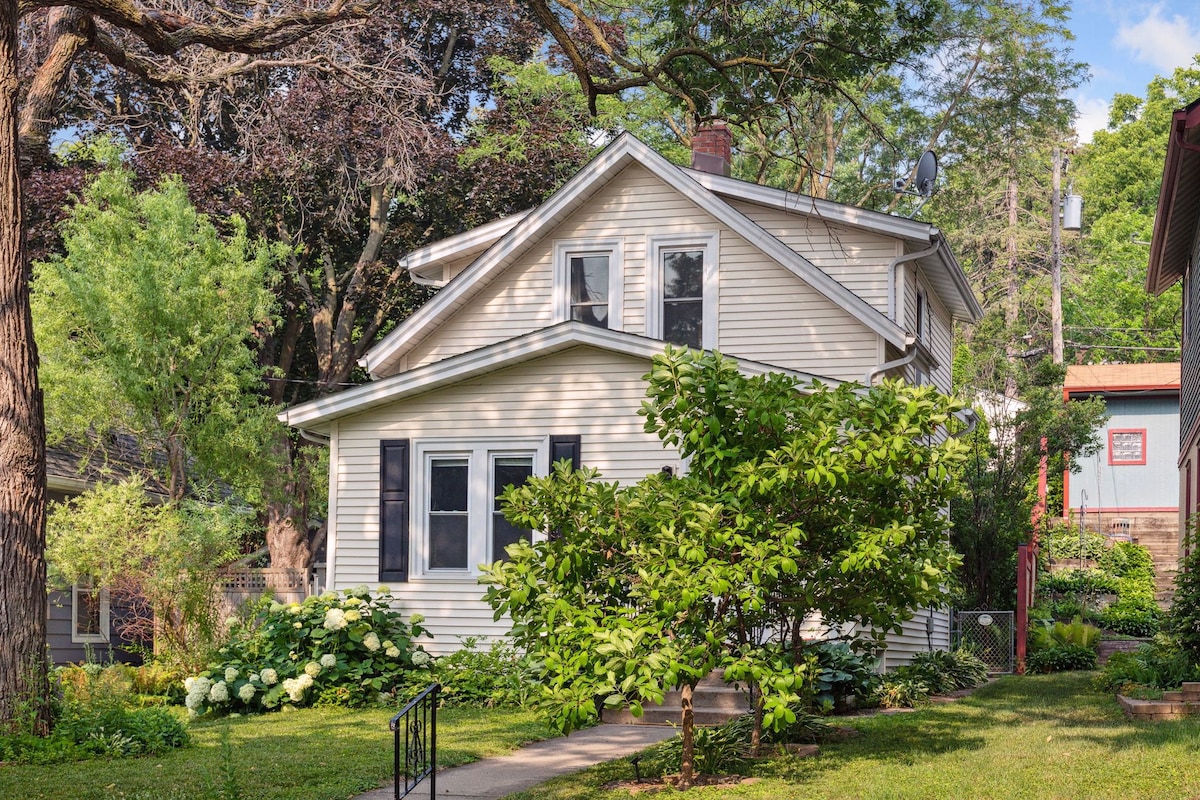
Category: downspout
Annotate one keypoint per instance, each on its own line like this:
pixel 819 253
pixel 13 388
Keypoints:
pixel 899 362
pixel 315 438
pixel 894 285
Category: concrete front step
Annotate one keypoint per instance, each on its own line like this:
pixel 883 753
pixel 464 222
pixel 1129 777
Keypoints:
pixel 714 702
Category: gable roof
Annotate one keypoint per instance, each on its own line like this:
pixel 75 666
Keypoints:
pixel 626 149
pixel 1121 377
pixel 1178 202
pixel 316 414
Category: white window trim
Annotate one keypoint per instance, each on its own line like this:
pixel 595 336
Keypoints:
pixel 614 248
pixel 710 243
pixel 479 452
pixel 105 617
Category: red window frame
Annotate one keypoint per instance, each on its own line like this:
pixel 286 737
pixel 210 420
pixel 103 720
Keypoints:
pixel 1126 462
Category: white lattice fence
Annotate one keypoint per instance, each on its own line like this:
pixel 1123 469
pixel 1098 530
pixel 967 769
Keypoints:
pixel 239 586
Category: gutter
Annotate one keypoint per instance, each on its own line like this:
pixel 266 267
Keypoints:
pixel 911 353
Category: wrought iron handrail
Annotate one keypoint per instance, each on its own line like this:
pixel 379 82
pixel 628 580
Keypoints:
pixel 418 722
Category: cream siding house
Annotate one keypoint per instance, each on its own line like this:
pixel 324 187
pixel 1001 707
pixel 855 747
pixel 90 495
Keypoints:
pixel 535 348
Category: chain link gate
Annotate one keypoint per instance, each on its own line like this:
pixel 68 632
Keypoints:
pixel 989 635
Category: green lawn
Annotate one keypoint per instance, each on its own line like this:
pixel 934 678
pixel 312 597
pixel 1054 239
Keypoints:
pixel 1037 737
pixel 309 754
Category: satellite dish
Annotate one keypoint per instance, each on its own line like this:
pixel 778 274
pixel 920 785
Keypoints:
pixel 927 170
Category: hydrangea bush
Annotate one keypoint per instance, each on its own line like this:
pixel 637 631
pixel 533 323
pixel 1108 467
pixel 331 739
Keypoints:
pixel 349 648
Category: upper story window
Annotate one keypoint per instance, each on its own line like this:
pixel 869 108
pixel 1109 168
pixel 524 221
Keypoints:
pixel 588 277
pixel 922 315
pixel 1127 446
pixel 682 288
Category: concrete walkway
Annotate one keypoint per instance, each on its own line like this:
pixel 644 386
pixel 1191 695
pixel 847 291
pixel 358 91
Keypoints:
pixel 493 778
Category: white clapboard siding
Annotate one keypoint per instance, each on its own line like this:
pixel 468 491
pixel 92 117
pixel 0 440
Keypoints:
pixel 941 334
pixel 585 391
pixel 915 639
pixel 765 312
pixel 855 258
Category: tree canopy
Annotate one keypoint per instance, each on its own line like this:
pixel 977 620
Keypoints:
pixel 800 503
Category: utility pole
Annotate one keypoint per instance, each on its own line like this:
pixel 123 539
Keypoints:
pixel 1056 321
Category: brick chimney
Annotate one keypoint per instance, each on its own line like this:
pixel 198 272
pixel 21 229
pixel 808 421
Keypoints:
pixel 712 148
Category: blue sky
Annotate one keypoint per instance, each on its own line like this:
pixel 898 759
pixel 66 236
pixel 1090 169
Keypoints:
pixel 1126 44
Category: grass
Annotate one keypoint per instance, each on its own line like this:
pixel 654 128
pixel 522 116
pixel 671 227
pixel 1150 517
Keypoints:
pixel 1045 737
pixel 308 754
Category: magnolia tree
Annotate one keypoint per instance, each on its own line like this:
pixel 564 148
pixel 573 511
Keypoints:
pixel 799 502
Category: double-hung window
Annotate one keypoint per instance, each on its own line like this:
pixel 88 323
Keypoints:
pixel 458 519
pixel 588 275
pixel 681 289
pixel 89 613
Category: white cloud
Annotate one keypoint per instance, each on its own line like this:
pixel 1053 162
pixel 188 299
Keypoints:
pixel 1164 43
pixel 1092 116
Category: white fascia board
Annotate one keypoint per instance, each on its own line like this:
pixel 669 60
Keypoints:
pixel 519 237
pixel 460 245
pixel 875 221
pixel 319 413
pixel 970 303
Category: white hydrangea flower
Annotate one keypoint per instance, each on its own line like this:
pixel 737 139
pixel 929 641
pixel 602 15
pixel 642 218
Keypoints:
pixel 276 607
pixel 392 652
pixel 420 658
pixel 297 625
pixel 219 693
pixel 312 668
pixel 188 683
pixel 371 641
pixel 254 677
pixel 361 590
pixel 352 615
pixel 328 661
pixel 387 643
pixel 231 674
pixel 335 619
pixel 246 693
pixel 270 676
pixel 328 595
pixel 416 619
pixel 384 589
pixel 294 608
pixel 351 602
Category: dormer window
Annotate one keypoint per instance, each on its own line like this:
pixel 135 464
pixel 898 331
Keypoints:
pixel 588 276
pixel 681 289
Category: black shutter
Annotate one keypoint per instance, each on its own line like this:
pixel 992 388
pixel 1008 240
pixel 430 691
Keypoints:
pixel 564 447
pixel 393 510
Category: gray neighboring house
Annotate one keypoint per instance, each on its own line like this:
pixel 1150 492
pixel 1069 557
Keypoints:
pixel 84 623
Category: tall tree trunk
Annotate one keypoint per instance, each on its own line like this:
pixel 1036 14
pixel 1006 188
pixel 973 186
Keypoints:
pixel 286 514
pixel 23 675
pixel 687 731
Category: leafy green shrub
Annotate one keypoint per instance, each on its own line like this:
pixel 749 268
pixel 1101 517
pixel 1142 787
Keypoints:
pixel 1130 619
pixel 1078 581
pixel 840 673
pixel 1127 560
pixel 1076 633
pixel 345 648
pixel 1061 659
pixel 1159 665
pixel 1064 546
pixel 86 732
pixel 945 671
pixel 901 690
pixel 1183 621
pixel 498 677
